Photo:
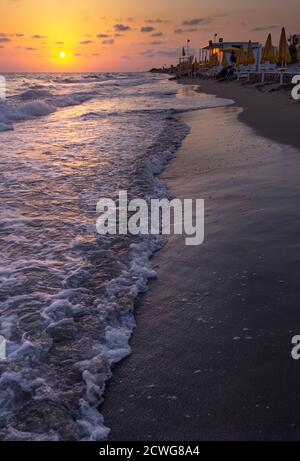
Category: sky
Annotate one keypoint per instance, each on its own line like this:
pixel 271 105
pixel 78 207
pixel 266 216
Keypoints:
pixel 128 35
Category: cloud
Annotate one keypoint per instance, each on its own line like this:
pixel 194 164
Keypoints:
pixel 2 34
pixel 157 34
pixel 147 29
pixel 38 37
pixel 157 21
pixel 103 35
pixel 186 31
pixel 194 22
pixel 205 20
pixel 60 43
pixel 86 42
pixel 122 28
pixel 108 42
pixel 4 39
pixel 156 42
pixel 160 53
pixel 30 48
pixel 262 29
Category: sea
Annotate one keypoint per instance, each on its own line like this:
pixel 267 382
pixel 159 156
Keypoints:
pixel 67 294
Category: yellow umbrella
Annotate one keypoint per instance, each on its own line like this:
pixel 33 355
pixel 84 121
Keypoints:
pixel 268 54
pixel 250 54
pixel 224 60
pixel 284 52
pixel 240 57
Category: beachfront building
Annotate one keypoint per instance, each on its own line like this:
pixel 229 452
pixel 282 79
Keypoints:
pixel 222 48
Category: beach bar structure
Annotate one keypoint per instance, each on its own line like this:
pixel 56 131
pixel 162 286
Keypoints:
pixel 220 48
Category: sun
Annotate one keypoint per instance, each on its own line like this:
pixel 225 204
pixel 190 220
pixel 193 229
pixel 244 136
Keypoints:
pixel 62 54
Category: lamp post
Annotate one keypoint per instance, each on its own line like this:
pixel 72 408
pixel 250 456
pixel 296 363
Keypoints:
pixel 187 48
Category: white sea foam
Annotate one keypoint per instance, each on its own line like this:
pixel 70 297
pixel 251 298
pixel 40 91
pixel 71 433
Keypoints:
pixel 68 294
pixel 30 110
pixel 40 103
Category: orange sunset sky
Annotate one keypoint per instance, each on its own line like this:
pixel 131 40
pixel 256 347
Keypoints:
pixel 129 35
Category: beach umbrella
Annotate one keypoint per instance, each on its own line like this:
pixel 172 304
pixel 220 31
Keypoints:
pixel 240 57
pixel 183 51
pixel 250 54
pixel 224 60
pixel 268 53
pixel 284 52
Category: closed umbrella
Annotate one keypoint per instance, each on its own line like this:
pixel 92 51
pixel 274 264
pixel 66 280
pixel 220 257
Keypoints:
pixel 240 57
pixel 298 54
pixel 284 52
pixel 250 54
pixel 268 53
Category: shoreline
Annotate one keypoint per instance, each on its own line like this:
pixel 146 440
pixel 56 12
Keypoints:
pixel 263 110
pixel 210 357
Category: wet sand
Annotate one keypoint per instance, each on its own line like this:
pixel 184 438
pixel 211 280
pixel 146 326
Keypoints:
pixel 211 355
pixel 272 114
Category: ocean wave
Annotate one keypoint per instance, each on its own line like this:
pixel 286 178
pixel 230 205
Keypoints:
pixel 83 79
pixel 11 114
pixel 72 99
pixel 40 405
pixel 34 93
pixel 67 309
pixel 37 107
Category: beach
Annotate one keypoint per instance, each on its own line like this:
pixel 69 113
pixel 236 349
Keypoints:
pixel 267 109
pixel 211 354
pixel 67 292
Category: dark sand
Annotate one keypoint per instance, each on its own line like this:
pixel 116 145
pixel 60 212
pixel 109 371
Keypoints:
pixel 211 353
pixel 273 114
